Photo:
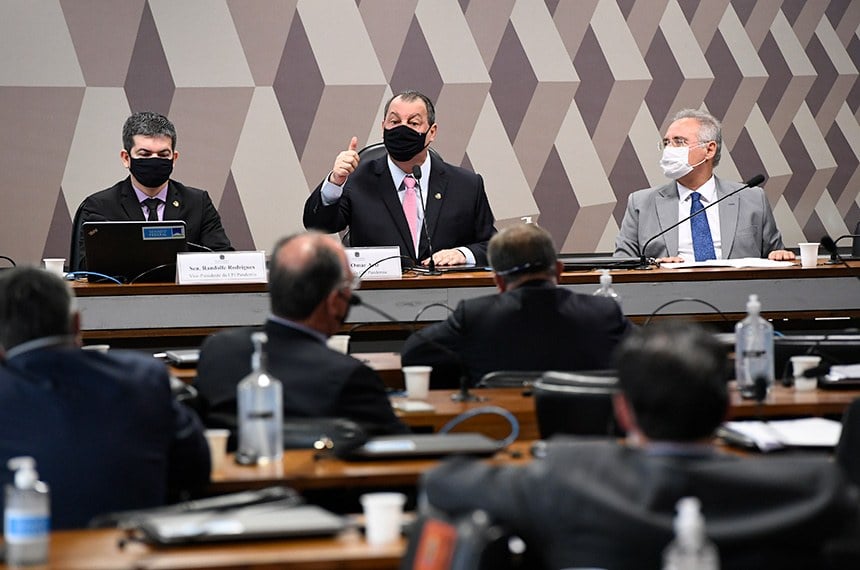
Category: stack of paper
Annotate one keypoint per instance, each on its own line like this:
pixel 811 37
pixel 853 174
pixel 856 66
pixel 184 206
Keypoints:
pixel 768 436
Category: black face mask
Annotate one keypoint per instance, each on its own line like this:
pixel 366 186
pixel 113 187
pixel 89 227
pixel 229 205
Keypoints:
pixel 151 172
pixel 403 143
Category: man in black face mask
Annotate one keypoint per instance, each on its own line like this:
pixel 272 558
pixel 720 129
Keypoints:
pixel 149 143
pixel 380 204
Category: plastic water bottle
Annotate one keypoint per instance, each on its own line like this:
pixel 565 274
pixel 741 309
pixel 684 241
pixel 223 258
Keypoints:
pixel 753 351
pixel 261 409
pixel 606 289
pixel 691 549
pixel 27 518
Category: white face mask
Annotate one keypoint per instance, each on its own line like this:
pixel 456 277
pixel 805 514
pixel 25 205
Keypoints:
pixel 676 162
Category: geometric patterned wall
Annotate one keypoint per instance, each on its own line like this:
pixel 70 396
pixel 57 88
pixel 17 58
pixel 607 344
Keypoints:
pixel 559 104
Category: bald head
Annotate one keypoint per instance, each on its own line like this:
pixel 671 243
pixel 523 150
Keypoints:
pixel 305 269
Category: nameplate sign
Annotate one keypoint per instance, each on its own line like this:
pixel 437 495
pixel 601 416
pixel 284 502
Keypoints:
pixel 221 267
pixel 375 262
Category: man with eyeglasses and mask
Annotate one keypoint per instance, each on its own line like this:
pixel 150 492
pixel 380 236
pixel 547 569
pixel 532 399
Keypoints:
pixel 149 153
pixel 378 199
pixel 531 324
pixel 739 226
pixel 310 291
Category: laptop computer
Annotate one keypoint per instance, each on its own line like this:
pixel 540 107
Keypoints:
pixel 134 251
pixel 269 520
pixel 425 445
pixel 588 261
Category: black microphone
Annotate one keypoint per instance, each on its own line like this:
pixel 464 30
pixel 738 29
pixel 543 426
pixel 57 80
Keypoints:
pixel 431 267
pixel 643 262
pixel 200 247
pixel 830 245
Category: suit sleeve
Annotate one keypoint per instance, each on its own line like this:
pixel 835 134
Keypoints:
pixel 484 225
pixel 212 234
pixel 188 461
pixel 364 400
pixel 330 219
pixel 627 241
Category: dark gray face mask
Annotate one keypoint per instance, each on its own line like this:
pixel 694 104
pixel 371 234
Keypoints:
pixel 403 142
pixel 151 172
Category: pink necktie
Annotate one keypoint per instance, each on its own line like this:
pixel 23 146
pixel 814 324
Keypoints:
pixel 410 208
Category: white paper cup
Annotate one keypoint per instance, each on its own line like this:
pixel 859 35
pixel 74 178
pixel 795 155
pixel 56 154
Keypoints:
pixel 417 380
pixel 55 265
pixel 339 342
pixel 382 515
pixel 799 365
pixel 217 440
pixel 808 254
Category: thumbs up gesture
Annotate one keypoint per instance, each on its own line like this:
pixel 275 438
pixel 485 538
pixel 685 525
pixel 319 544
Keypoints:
pixel 345 163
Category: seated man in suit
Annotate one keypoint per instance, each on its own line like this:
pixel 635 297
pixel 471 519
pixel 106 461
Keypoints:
pixel 531 324
pixel 104 429
pixel 379 202
pixel 605 504
pixel 310 291
pixel 739 226
pixel 149 153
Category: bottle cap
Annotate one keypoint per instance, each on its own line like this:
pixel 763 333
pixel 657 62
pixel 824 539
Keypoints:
pixel 753 304
pixel 605 277
pixel 26 476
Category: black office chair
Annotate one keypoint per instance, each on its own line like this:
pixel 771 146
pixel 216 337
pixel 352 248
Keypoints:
pixel 75 253
pixel 848 449
pixel 509 379
pixel 578 403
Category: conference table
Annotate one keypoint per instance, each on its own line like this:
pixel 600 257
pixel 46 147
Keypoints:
pixel 101 550
pixel 796 296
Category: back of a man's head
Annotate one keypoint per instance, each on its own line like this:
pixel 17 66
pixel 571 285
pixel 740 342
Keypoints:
pixel 673 376
pixel 520 250
pixel 304 269
pixel 33 304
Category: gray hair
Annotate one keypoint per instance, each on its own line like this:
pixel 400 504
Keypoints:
pixel 710 128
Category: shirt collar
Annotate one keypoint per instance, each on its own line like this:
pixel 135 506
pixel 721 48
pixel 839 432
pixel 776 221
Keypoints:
pixel 38 343
pixel 708 190
pixel 299 327
pixel 141 196
pixel 398 175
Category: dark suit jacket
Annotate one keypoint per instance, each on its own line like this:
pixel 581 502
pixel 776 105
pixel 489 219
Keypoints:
pixel 105 431
pixel 193 206
pixel 458 213
pixel 747 227
pixel 603 505
pixel 317 381
pixel 535 327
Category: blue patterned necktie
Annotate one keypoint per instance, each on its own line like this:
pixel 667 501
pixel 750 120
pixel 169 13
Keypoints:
pixel 703 243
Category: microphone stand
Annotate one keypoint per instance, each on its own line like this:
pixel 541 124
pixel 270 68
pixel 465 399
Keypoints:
pixel 831 248
pixel 431 267
pixel 643 262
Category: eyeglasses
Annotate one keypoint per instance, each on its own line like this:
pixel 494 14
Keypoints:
pixel 678 142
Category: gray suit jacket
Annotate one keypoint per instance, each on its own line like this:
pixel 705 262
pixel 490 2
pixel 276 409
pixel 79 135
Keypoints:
pixel 747 227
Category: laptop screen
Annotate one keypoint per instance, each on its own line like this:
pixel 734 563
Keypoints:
pixel 134 251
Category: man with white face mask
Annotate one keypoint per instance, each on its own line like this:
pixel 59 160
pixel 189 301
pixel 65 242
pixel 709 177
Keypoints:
pixel 739 226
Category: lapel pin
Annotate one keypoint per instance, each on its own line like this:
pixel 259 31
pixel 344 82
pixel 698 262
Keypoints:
pixel 438 196
pixel 176 203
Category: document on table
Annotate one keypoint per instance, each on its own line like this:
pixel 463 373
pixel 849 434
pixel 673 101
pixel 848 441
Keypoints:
pixel 737 263
pixel 769 436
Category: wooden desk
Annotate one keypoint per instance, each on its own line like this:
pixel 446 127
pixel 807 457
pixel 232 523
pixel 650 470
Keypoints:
pixel 157 310
pixel 304 470
pixel 99 550
pixel 782 402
